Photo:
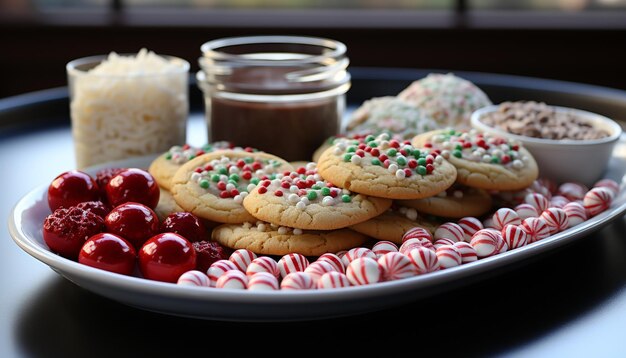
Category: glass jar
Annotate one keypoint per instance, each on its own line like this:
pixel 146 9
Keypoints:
pixel 281 94
pixel 125 106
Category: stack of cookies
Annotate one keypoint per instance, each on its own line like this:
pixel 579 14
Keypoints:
pixel 369 187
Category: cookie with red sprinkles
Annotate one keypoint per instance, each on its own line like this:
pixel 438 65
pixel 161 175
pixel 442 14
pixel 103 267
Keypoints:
pixel 303 199
pixel 385 167
pixel 483 160
pixel 213 186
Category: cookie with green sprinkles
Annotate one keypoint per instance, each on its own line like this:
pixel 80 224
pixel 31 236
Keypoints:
pixel 165 165
pixel 483 160
pixel 393 224
pixel 456 202
pixel 387 168
pixel 213 185
pixel 302 199
pixel 269 239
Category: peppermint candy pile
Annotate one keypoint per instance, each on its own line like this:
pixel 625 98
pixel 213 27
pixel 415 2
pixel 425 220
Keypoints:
pixel 305 186
pixel 397 157
pixel 235 178
pixel 478 147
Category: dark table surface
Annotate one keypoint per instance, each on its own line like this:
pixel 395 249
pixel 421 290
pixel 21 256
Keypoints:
pixel 568 302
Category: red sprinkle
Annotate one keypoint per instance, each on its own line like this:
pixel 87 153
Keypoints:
pixel 224 194
pixel 412 163
pixel 368 149
pixel 428 145
pixel 249 149
pixel 264 177
pixel 256 166
pixel 234 192
pixel 430 168
pixel 407 142
pixel 186 146
pixel 394 143
pixel 362 146
pixel 301 170
pixel 310 183
pixel 408 173
pixel 467 145
pixel 360 153
pixel 262 190
pixel 208 167
pixel 285 185
pixel 221 185
pixel 403 152
pixel 278 193
pixel 429 160
pixel 198 170
pixel 506 159
pixel 200 152
pixel 375 152
pixel 246 175
pixel 241 163
pixel 386 163
pixel 515 147
pixel 334 193
pixel 382 157
pixel 266 183
pixel 301 184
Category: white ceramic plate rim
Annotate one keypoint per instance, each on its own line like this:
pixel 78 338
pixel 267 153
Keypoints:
pixel 68 267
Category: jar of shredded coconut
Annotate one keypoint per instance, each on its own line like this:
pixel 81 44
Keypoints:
pixel 124 106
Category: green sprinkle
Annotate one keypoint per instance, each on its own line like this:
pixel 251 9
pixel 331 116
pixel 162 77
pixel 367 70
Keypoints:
pixel 207 148
pixel 421 161
pixel 369 138
pixel 401 161
pixel 375 161
pixel 234 177
pixel 232 182
pixel 416 153
pixel 215 178
pixel 222 170
pixel 311 195
pixel 457 153
pixel 372 144
pixel 168 156
pixel 392 152
pixel 451 132
pixel 495 160
pixel 248 160
pixel 275 164
pixel 347 157
pixel 346 198
pixel 421 170
pixel 204 184
pixel 192 156
pixel 272 176
pixel 326 191
pixel 458 147
pixel 351 149
pixel 255 181
pixel 315 187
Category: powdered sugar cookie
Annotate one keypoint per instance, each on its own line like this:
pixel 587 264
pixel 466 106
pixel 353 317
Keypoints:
pixel 384 167
pixel 304 200
pixel 267 239
pixel 483 160
pixel 212 186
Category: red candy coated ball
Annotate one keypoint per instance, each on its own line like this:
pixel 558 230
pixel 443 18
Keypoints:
pixel 166 256
pixel 108 252
pixel 133 185
pixel 71 188
pixel 186 225
pixel 66 230
pixel 134 222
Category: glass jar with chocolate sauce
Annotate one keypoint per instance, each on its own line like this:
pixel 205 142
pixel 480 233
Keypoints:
pixel 284 95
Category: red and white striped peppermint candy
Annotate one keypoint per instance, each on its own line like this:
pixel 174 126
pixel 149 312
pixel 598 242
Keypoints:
pixel 298 281
pixel 504 217
pixel 234 279
pixel 425 260
pixel 514 236
pixel 597 200
pixel 292 263
pixel 448 256
pixel 242 258
pixel 488 224
pixel 333 260
pixel 318 268
pixel 525 211
pixel 572 191
pixel 556 219
pixel 550 187
pixel 539 201
pixel 485 242
pixel 558 201
pixel 333 280
pixel 396 266
pixel 364 271
pixel 536 229
pixel 468 254
pixel 263 281
pixel 450 231
pixel 576 213
pixel 263 264
pixel 217 269
pixel 502 246
pixel 411 244
pixel 469 225
pixel 341 253
pixel 356 253
pixel 609 184
pixel 417 233
pixel 442 242
pixel 194 278
pixel 383 247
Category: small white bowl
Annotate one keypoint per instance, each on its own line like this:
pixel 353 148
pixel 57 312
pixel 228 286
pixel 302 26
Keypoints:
pixel 564 160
